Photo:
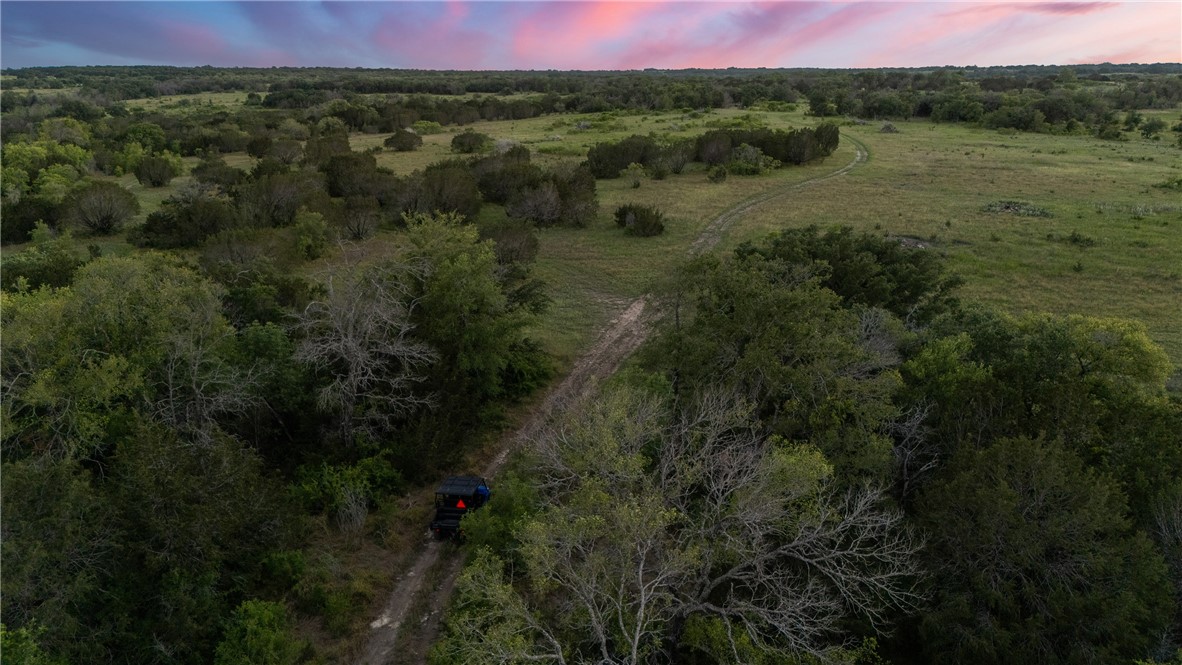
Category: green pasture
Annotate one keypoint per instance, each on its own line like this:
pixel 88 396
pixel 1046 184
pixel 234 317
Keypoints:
pixel 1112 245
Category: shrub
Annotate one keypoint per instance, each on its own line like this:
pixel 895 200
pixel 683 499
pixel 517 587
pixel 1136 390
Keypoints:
pixel 214 170
pixel 258 146
pixel 889 128
pixel 426 127
pixel 828 136
pixel 607 160
pixel 1020 208
pixel 51 261
pixel 515 241
pixel 633 173
pixel 311 234
pixel 640 220
pixel 181 223
pixel 102 207
pixel 470 142
pixel 749 160
pixel 158 170
pixel 259 632
pixel 403 141
pixel 541 205
pixel 717 174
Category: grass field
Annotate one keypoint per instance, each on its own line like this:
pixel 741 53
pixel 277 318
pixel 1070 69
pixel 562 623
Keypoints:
pixel 1111 245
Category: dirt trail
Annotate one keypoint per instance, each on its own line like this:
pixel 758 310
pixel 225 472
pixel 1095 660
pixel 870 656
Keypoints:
pixel 620 338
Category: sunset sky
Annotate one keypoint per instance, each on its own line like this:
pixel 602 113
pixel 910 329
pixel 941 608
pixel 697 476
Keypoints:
pixel 576 34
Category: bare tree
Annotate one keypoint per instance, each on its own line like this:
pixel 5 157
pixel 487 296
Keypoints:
pixel 782 555
pixel 916 455
pixel 657 519
pixel 359 334
pixel 196 386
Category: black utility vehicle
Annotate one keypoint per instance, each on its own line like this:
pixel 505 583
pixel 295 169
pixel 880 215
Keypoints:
pixel 457 496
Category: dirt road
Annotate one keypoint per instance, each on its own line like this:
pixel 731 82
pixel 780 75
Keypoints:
pixel 618 340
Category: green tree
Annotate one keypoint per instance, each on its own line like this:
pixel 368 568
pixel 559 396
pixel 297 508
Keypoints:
pixel 20 646
pixel 444 187
pixel 51 261
pixel 1152 127
pixel 131 333
pixel 826 374
pixel 260 633
pixel 1096 385
pixel 1034 561
pixel 61 540
pixel 865 269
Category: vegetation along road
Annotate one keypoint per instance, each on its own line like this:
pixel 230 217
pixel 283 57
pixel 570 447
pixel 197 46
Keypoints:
pixel 620 338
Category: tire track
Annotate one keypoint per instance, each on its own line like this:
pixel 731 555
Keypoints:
pixel 620 338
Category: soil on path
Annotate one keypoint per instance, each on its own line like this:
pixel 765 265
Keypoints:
pixel 620 338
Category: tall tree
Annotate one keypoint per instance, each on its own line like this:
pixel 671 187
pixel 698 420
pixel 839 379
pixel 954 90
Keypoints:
pixel 360 336
pixel 1034 561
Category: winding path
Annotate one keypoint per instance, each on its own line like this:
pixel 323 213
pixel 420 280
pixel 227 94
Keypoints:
pixel 620 338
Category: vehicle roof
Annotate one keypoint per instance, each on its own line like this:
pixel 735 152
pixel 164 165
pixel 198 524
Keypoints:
pixel 460 485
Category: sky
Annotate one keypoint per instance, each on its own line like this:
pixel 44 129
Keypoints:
pixel 588 35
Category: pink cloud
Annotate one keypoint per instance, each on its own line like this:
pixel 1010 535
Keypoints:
pixel 443 43
pixel 1070 7
pixel 963 35
pixel 573 34
pixel 769 34
pixel 192 38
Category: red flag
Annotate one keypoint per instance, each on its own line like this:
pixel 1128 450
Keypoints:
pixel 460 504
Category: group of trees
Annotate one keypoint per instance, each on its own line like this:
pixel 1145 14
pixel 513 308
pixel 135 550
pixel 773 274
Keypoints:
pixel 875 472
pixel 739 149
pixel 149 431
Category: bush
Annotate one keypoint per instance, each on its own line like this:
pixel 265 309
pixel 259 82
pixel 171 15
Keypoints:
pixel 426 127
pixel 259 146
pixel 403 141
pixel 541 205
pixel 470 142
pixel 717 174
pixel 259 632
pixel 158 170
pixel 607 160
pixel 311 234
pixel 515 241
pixel 214 170
pixel 749 160
pixel 1020 208
pixel 633 173
pixel 640 220
pixel 102 207
pixel 51 261
pixel 181 223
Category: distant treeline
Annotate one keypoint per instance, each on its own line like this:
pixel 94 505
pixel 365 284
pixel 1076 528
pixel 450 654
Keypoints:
pixel 850 92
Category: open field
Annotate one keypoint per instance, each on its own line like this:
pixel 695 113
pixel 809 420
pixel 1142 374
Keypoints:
pixel 1112 245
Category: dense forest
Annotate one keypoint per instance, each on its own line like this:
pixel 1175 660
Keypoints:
pixel 821 454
